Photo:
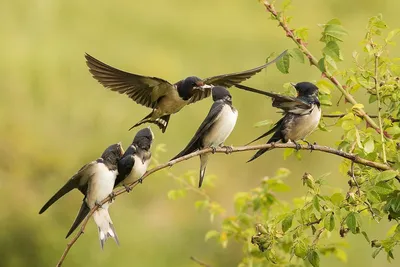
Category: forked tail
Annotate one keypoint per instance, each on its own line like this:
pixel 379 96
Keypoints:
pixel 161 122
pixel 105 226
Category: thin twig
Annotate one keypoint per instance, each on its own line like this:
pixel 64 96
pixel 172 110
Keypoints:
pixel 353 157
pixel 313 61
pixel 377 86
pixel 199 262
pixel 342 115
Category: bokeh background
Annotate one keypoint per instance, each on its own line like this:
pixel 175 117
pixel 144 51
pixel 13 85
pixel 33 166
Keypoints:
pixel 55 118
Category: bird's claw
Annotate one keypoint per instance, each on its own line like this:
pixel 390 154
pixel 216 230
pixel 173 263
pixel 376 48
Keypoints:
pixel 98 204
pixel 213 149
pixel 310 146
pixel 112 196
pixel 127 188
pixel 140 180
pixel 229 149
pixel 298 146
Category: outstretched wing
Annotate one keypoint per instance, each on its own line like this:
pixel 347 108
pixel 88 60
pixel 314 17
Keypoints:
pixel 229 80
pixel 195 142
pixel 143 90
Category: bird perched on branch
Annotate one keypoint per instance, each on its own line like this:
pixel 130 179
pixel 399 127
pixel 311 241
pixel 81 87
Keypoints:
pixel 163 97
pixel 301 115
pixel 95 180
pixel 136 159
pixel 215 129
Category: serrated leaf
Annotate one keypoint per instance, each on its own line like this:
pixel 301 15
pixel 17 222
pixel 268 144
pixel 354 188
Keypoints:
pixel 373 197
pixel 376 252
pixel 302 33
pixel 329 222
pixel 383 188
pixel 337 199
pixel 351 222
pixel 387 175
pixel 369 146
pixel 395 203
pixel 300 249
pixel 283 63
pixel 321 64
pixel 332 49
pixel 296 54
pixel 329 62
pixel 313 258
pixel 316 203
pixel 333 32
pixel 287 222
pixel 211 234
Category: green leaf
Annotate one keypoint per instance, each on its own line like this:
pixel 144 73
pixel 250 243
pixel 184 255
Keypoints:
pixel 175 194
pixel 383 188
pixel 387 175
pixel 300 249
pixel 329 62
pixel 316 203
pixel 337 199
pixel 332 49
pixel 373 196
pixel 333 32
pixel 201 204
pixel 313 258
pixel 366 236
pixel 394 130
pixel 376 252
pixel 211 234
pixel 283 63
pixel 390 36
pixel 296 54
pixel 287 222
pixel 287 152
pixel 302 33
pixel 329 222
pixel 369 146
pixel 351 222
pixel 321 64
pixel 395 203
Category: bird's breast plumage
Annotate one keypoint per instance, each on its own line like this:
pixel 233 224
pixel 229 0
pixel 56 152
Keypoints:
pixel 101 184
pixel 139 168
pixel 297 127
pixel 222 127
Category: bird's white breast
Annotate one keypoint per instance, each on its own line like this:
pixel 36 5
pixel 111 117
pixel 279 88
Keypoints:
pixel 139 168
pixel 222 127
pixel 101 184
pixel 304 125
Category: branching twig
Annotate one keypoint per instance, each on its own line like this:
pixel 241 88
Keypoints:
pixel 199 262
pixel 353 157
pixel 313 61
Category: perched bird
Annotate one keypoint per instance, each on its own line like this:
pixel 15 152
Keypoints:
pixel 81 179
pixel 101 175
pixel 301 115
pixel 136 159
pixel 215 129
pixel 163 97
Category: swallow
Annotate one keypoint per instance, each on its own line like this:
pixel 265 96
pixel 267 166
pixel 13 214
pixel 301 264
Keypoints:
pixel 163 97
pixel 101 175
pixel 301 115
pixel 80 180
pixel 136 159
pixel 215 129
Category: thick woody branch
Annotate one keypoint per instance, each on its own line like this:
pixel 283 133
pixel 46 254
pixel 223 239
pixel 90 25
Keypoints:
pixel 353 157
pixel 313 61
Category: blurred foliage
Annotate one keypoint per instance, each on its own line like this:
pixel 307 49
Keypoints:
pixel 55 117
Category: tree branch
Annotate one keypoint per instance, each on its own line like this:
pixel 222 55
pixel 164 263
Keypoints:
pixel 199 262
pixel 353 157
pixel 313 61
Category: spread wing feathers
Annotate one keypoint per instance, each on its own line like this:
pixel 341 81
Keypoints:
pixel 125 166
pixel 83 212
pixel 231 79
pixel 286 103
pixel 143 90
pixel 79 180
pixel 276 127
pixel 195 142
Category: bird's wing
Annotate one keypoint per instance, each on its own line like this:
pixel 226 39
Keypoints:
pixel 228 80
pixel 125 166
pixel 79 180
pixel 143 90
pixel 277 126
pixel 208 122
pixel 83 212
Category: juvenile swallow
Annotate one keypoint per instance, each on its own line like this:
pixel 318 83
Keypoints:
pixel 215 129
pixel 163 97
pixel 136 159
pixel 80 180
pixel 101 175
pixel 301 115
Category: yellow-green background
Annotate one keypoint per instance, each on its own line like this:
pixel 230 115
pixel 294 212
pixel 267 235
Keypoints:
pixel 54 118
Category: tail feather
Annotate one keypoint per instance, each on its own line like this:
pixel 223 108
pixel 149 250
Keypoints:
pixel 275 138
pixel 71 184
pixel 161 122
pixel 105 226
pixel 203 166
pixel 83 212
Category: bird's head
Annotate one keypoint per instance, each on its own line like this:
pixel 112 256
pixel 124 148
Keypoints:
pixel 305 89
pixel 188 85
pixel 113 153
pixel 219 92
pixel 144 138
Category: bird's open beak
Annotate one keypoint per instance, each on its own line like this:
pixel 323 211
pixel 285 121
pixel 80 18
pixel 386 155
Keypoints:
pixel 203 86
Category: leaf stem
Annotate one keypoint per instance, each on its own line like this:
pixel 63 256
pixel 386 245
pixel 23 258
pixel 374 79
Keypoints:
pixel 377 87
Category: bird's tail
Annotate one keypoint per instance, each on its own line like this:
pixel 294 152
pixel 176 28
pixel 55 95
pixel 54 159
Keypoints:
pixel 83 212
pixel 275 138
pixel 203 166
pixel 104 225
pixel 161 122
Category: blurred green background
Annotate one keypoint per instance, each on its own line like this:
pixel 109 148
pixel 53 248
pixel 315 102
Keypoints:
pixel 55 118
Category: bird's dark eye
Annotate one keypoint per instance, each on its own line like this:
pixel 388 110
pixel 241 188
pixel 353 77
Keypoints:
pixel 194 84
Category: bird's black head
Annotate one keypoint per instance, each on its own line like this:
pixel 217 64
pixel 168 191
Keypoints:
pixel 186 86
pixel 113 154
pixel 306 89
pixel 219 92
pixel 144 138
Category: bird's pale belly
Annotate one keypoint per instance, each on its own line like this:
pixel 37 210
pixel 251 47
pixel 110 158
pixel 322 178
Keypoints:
pixel 101 185
pixel 170 104
pixel 302 126
pixel 137 171
pixel 222 127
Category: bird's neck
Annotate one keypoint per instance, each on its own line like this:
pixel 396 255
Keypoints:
pixel 183 92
